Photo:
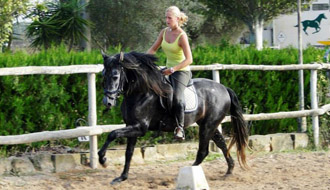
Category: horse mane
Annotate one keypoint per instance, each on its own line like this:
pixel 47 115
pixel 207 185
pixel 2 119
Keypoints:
pixel 143 74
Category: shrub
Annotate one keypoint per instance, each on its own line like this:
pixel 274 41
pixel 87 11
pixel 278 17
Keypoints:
pixel 37 103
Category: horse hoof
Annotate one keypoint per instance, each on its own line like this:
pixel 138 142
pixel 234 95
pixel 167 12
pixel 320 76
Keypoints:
pixel 114 182
pixel 229 172
pixel 118 180
pixel 104 163
pixel 229 175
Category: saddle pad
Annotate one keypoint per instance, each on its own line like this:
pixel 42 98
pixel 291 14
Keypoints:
pixel 191 99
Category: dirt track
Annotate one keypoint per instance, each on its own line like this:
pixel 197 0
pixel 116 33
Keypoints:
pixel 295 171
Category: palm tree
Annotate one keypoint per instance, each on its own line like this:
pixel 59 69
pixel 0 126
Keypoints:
pixel 61 22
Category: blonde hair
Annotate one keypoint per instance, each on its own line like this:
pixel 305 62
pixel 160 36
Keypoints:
pixel 183 18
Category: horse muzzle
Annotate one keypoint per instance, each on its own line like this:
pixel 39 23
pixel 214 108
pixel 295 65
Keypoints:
pixel 109 101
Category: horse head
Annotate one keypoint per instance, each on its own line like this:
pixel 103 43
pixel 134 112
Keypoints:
pixel 131 72
pixel 322 16
pixel 113 78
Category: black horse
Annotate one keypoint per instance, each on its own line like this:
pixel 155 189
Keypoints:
pixel 313 23
pixel 138 78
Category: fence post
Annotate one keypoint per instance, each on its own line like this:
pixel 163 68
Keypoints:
pixel 315 118
pixel 216 75
pixel 216 78
pixel 92 119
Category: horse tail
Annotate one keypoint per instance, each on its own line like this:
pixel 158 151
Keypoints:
pixel 240 131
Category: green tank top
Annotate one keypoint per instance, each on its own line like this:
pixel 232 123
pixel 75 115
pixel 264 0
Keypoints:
pixel 174 53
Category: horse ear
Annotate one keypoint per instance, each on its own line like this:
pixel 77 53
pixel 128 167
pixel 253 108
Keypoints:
pixel 103 54
pixel 121 57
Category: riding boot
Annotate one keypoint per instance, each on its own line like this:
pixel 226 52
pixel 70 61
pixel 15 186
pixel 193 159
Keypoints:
pixel 179 82
pixel 179 133
pixel 179 118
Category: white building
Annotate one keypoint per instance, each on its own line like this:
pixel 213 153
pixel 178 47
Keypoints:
pixel 282 32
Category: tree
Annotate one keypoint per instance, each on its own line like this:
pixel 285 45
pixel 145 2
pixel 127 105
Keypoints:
pixel 57 22
pixel 9 10
pixel 253 13
pixel 136 24
pixel 125 22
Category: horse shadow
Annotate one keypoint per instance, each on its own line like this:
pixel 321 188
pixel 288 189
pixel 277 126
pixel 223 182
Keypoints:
pixel 313 23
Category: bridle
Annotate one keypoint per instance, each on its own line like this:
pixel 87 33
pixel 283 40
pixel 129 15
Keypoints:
pixel 120 90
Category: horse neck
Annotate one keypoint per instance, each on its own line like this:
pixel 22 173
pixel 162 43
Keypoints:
pixel 138 85
pixel 319 18
pixel 131 90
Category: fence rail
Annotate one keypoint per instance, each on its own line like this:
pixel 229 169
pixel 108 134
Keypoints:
pixel 99 129
pixel 51 70
pixel 76 69
pixel 314 66
pixel 93 129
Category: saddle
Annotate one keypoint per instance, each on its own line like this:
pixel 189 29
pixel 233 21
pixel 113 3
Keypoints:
pixel 191 100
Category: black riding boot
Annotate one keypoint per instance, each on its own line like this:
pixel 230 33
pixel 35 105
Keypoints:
pixel 179 117
pixel 179 82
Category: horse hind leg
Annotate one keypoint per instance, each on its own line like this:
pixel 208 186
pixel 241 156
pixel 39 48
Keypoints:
pixel 305 31
pixel 205 135
pixel 219 140
pixel 317 29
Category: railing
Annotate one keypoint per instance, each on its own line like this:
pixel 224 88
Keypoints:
pixel 93 129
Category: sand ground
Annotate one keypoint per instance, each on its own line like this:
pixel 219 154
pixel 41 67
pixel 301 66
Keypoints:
pixel 292 170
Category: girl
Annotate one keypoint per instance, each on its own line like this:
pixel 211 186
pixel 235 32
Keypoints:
pixel 174 42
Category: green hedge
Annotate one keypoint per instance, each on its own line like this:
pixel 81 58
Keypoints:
pixel 37 103
pixel 261 91
pixel 34 103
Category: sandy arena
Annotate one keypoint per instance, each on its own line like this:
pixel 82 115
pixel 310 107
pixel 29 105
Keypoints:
pixel 293 170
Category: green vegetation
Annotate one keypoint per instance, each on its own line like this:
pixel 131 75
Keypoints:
pixel 58 22
pixel 37 103
pixel 8 12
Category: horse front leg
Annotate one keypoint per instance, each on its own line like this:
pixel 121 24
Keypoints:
pixel 102 151
pixel 129 131
pixel 128 157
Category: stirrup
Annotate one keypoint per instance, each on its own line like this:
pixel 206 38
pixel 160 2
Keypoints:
pixel 179 133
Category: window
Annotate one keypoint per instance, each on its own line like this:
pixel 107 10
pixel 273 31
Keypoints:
pixel 319 7
pixel 305 7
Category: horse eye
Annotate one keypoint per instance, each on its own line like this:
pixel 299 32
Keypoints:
pixel 115 77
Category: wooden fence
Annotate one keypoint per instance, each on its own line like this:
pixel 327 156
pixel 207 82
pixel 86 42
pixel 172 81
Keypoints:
pixel 93 129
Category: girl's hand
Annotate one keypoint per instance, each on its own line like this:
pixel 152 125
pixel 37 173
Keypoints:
pixel 167 72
